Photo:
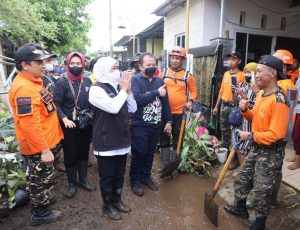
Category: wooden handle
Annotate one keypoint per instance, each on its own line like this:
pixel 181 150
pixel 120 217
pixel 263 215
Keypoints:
pixel 222 174
pixel 180 137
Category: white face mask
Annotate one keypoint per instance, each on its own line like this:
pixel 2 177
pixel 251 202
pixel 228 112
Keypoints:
pixel 49 67
pixel 115 76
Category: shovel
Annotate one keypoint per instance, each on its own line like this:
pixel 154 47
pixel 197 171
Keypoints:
pixel 210 206
pixel 175 156
pixel 211 125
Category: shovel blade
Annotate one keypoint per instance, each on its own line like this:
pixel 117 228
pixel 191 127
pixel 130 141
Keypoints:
pixel 211 209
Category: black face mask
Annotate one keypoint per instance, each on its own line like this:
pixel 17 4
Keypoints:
pixel 248 79
pixel 76 70
pixel 150 71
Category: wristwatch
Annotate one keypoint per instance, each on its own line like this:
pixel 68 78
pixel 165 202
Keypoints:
pixel 250 136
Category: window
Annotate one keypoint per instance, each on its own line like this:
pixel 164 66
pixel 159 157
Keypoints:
pixel 180 40
pixel 283 23
pixel 263 23
pixel 242 18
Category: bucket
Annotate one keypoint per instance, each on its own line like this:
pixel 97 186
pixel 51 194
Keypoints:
pixel 222 154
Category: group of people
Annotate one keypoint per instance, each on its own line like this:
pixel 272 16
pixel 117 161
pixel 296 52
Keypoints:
pixel 261 94
pixel 121 112
pixel 117 112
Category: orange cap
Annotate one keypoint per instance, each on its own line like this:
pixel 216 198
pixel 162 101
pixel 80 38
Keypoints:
pixel 178 51
pixel 285 55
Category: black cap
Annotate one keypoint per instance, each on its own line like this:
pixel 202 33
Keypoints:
pixel 48 55
pixel 274 63
pixel 235 54
pixel 29 53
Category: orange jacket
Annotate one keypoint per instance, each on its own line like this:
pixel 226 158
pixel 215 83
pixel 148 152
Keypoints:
pixel 36 122
pixel 225 90
pixel 286 84
pixel 269 118
pixel 177 89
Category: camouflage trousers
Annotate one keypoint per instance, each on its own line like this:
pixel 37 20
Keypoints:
pixel 41 181
pixel 224 125
pixel 258 172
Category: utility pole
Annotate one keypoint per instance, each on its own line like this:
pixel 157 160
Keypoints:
pixel 187 25
pixel 110 31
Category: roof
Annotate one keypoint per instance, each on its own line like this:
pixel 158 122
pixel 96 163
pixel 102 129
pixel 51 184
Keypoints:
pixel 124 40
pixel 156 30
pixel 167 6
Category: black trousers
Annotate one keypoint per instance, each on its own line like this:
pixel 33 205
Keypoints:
pixel 76 145
pixel 165 140
pixel 111 172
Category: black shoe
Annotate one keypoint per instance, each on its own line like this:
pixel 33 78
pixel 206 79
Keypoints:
pixel 137 189
pixel 71 191
pixel 238 210
pixel 121 207
pixel 44 216
pixel 109 211
pixel 258 224
pixel 150 184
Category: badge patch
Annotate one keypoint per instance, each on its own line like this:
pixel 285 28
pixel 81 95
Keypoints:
pixel 24 106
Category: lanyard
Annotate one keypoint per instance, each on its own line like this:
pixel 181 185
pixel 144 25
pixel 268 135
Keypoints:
pixel 73 91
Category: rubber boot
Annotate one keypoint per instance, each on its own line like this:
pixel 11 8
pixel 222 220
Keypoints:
pixel 258 224
pixel 238 210
pixel 117 202
pixel 165 158
pixel 82 171
pixel 72 180
pixel 108 210
pixel 43 215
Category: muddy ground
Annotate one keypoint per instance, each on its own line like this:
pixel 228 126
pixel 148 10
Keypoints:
pixel 178 204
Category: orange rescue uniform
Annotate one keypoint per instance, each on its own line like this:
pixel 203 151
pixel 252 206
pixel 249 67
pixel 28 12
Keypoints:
pixel 225 90
pixel 286 84
pixel 294 75
pixel 177 89
pixel 36 121
pixel 269 117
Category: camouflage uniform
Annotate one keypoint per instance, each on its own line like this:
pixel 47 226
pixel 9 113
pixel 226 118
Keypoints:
pixel 41 180
pixel 224 123
pixel 259 172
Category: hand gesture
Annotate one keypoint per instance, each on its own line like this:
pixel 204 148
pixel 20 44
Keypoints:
pixel 47 156
pixel 125 82
pixel 162 91
pixel 243 105
pixel 68 123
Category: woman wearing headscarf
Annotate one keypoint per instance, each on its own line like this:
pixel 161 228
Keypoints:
pixel 246 90
pixel 71 97
pixel 111 100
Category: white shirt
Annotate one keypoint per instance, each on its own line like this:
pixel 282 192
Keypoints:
pixel 99 98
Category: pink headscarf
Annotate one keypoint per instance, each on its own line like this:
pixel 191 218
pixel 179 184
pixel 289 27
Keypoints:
pixel 68 59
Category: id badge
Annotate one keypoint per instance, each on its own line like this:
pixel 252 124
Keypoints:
pixel 74 114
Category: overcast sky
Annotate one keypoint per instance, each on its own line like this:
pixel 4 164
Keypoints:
pixel 135 15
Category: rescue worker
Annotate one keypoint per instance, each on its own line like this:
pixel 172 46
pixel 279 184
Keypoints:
pixel 182 91
pixel 288 60
pixel 37 130
pixel 269 119
pixel 294 72
pixel 152 108
pixel 226 100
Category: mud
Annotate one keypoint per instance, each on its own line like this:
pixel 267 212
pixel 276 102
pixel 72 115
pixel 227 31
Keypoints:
pixel 177 205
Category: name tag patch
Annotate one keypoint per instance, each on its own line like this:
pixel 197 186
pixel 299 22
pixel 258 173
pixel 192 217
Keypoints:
pixel 24 106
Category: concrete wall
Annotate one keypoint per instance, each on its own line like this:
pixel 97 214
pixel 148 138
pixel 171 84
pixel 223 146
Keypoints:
pixel 205 20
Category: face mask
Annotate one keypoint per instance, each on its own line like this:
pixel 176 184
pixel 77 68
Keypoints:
pixel 115 76
pixel 248 79
pixel 56 77
pixel 49 67
pixel 150 71
pixel 76 70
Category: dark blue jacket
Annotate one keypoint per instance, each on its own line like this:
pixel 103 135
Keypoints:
pixel 152 110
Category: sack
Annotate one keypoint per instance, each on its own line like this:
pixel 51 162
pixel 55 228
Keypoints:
pixel 84 118
pixel 235 117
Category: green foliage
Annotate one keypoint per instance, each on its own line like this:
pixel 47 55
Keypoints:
pixel 195 153
pixel 12 177
pixel 23 22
